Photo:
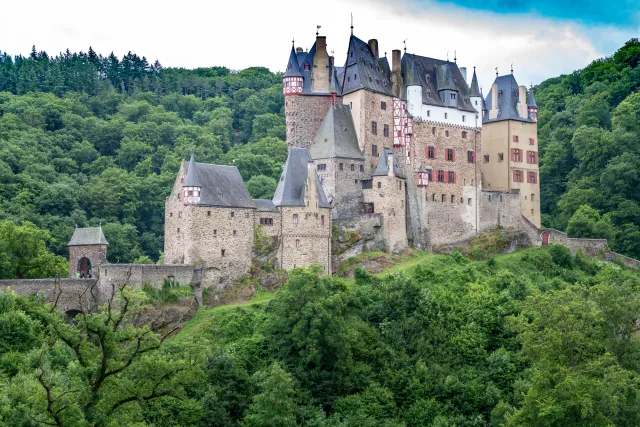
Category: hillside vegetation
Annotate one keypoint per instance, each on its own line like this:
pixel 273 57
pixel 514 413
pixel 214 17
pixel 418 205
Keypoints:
pixel 534 338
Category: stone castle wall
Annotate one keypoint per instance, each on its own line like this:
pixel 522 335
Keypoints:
pixel 591 247
pixel 307 241
pixel 115 275
pixel 74 294
pixel 498 209
pixel 268 230
pixel 175 243
pixel 303 116
pixel 97 254
pixel 343 185
pixel 388 197
pixel 369 236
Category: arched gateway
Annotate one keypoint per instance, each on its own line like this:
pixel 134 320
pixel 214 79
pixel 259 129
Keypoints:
pixel 87 251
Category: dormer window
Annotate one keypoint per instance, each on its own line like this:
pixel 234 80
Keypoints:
pixel 453 96
pixel 306 67
pixel 428 78
pixel 500 94
pixel 428 94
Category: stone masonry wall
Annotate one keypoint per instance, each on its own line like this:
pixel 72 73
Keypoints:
pixel 268 230
pixel 97 254
pixel 303 116
pixel 307 242
pixel 589 247
pixel 370 232
pixel 499 209
pixel 76 293
pixel 174 241
pixel 388 197
pixel 343 187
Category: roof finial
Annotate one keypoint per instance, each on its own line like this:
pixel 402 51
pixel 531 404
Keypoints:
pixel 318 30
pixel 293 42
pixel 447 56
pixel 405 45
pixel 351 23
pixel 496 71
pixel 455 56
pixel 385 53
pixel 511 68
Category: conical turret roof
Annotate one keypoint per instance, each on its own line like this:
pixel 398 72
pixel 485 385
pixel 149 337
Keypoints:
pixel 192 174
pixel 474 90
pixel 532 100
pixel 293 69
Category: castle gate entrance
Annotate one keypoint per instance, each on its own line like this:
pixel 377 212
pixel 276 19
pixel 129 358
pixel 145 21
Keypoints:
pixel 545 238
pixel 84 267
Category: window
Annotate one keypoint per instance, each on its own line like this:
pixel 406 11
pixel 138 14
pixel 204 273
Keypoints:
pixel 189 193
pixel 322 167
pixel 464 132
pixel 453 200
pixel 500 157
pixel 383 105
pixel 385 130
pixel 450 154
pixel 353 167
pixel 374 150
pixel 431 152
pixel 515 138
pixel 341 167
pixel 453 96
pixel 178 229
pixel 433 130
pixel 532 178
pixel 489 197
pixel 443 198
pixel 232 213
pixel 446 115
pixel 464 118
pixel 469 201
pixel 452 177
pixel 516 155
pixel 379 184
pixel 266 221
pixel 361 168
pixel 246 214
pixel 531 211
pixel 180 214
pixel 221 252
pixel 170 214
pixel 429 175
pixel 374 127
pixel 446 133
pixel 348 79
pixel 485 158
pixel 355 180
pixel 235 233
pixel 440 176
pixel 306 67
pixel 517 176
pixel 428 78
pixel 297 243
pixel 429 94
pixel 355 77
pixel 532 157
pixel 433 197
pixel 428 113
pixel 215 233
pixel 471 157
pixel 295 219
pixel 322 220
pixel 531 141
pixel 208 213
pixel 532 197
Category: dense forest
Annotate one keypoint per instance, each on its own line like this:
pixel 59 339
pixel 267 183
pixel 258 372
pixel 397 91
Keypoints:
pixel 87 140
pixel 535 338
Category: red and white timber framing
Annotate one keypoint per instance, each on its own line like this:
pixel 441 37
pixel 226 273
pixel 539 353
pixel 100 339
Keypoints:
pixel 292 85
pixel 191 195
pixel 402 127
pixel 423 179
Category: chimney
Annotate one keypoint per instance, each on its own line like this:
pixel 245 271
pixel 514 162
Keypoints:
pixel 298 49
pixel 373 45
pixel 320 79
pixel 522 102
pixel 493 114
pixel 396 73
pixel 463 71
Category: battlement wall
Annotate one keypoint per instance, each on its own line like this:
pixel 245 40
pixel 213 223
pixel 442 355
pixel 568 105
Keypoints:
pixel 74 294
pixel 591 247
pixel 114 275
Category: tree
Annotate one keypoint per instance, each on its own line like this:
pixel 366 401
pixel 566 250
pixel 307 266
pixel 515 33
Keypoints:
pixel 274 405
pixel 261 187
pixel 587 223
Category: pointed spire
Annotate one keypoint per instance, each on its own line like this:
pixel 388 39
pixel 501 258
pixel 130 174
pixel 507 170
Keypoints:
pixel 351 23
pixel 531 103
pixel 293 69
pixel 474 90
pixel 192 174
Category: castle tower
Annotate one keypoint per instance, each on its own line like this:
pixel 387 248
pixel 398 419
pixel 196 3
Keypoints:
pixel 87 251
pixel 292 80
pixel 475 96
pixel 532 106
pixel 192 185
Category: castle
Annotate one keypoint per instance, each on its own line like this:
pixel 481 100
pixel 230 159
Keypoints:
pixel 402 140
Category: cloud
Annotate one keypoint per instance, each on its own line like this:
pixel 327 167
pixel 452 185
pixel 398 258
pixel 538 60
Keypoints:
pixel 244 33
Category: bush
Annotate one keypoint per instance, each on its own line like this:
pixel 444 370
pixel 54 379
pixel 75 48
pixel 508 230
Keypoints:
pixel 561 255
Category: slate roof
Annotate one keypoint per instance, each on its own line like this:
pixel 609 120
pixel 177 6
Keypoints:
pixel 532 100
pixel 422 169
pixel 192 177
pixel 307 58
pixel 507 101
pixel 222 186
pixel 88 236
pixel 363 70
pixel 337 136
pixel 383 165
pixel 293 68
pixel 265 205
pixel 384 64
pixel 443 75
pixel 291 187
pixel 474 90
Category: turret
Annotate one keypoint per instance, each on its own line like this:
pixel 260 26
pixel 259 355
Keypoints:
pixel 532 106
pixel 396 73
pixel 192 185
pixel 475 96
pixel 292 80
pixel 414 88
pixel 447 88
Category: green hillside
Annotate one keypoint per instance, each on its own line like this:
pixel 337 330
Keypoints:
pixel 534 338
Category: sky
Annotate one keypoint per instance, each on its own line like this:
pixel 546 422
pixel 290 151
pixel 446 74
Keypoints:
pixel 538 38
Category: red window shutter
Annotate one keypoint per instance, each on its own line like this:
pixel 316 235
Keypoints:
pixel 446 176
pixel 514 176
pixel 535 177
pixel 435 153
pixel 474 157
pixel 426 152
pixel 528 177
pixel 536 157
pixel 454 177
pixel 454 155
pixel 513 154
pixel 528 157
pixel 514 138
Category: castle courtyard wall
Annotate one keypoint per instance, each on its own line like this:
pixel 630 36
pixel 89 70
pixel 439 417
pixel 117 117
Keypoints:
pixel 307 242
pixel 343 185
pixel 388 197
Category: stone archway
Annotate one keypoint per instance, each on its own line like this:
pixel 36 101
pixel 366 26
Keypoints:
pixel 545 238
pixel 70 315
pixel 85 267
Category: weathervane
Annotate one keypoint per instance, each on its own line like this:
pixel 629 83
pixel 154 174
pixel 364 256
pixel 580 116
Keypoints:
pixel 351 23
pixel 511 68
pixel 405 45
pixel 496 71
pixel 318 30
pixel 455 56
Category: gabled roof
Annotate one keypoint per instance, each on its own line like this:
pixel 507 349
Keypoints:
pixel 265 205
pixel 363 70
pixel 291 187
pixel 474 90
pixel 192 174
pixel 442 75
pixel 383 165
pixel 384 64
pixel 532 100
pixel 507 100
pixel 88 236
pixel 222 186
pixel 306 58
pixel 293 68
pixel 337 136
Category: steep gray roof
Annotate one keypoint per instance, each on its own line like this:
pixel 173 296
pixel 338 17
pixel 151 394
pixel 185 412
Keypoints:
pixel 192 175
pixel 222 186
pixel 306 58
pixel 265 205
pixel 293 68
pixel 383 165
pixel 363 70
pixel 474 90
pixel 422 168
pixel 88 236
pixel 384 64
pixel 443 75
pixel 291 187
pixel 337 136
pixel 507 100
pixel 532 100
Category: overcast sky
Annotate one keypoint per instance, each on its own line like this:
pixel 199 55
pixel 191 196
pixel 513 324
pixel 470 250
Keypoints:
pixel 541 38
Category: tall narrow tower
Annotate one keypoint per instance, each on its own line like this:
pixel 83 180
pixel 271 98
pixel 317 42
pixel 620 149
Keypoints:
pixel 192 185
pixel 292 80
pixel 532 107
